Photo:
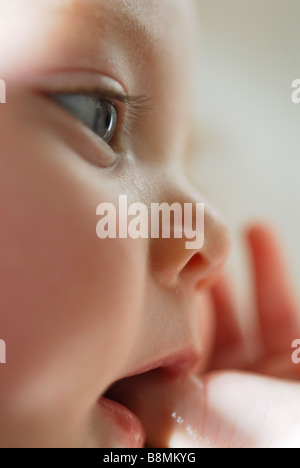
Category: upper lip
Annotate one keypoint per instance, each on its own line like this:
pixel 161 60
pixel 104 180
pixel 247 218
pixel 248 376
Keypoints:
pixel 179 362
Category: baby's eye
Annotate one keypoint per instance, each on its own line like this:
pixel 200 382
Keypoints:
pixel 100 115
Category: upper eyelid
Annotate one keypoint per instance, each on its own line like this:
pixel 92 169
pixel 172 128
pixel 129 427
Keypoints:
pixel 132 108
pixel 140 103
pixel 135 106
pixel 88 82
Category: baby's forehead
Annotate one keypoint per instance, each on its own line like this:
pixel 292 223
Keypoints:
pixel 140 9
pixel 142 20
pixel 146 28
pixel 143 31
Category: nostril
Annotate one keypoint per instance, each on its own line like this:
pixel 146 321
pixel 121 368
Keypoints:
pixel 197 269
pixel 195 263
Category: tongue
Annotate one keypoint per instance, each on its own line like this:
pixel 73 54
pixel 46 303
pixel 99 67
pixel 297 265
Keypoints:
pixel 170 408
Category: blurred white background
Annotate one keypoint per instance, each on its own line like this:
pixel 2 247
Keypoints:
pixel 249 166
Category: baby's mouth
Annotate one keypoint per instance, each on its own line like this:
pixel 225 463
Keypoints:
pixel 147 406
pixel 127 428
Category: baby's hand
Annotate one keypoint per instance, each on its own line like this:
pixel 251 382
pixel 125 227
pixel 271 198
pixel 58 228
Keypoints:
pixel 268 349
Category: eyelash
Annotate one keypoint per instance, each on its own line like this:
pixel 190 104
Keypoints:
pixel 129 108
pixel 135 107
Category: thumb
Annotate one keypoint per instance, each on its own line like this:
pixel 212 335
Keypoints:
pixel 222 410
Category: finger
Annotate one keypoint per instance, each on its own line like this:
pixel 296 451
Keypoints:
pixel 276 308
pixel 280 366
pixel 222 410
pixel 230 351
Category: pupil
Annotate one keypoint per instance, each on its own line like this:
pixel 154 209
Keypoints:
pixel 108 120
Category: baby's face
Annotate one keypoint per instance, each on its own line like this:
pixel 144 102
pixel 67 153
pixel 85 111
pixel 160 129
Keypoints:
pixel 78 313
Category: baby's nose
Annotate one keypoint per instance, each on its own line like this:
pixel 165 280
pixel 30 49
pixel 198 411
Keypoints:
pixel 198 246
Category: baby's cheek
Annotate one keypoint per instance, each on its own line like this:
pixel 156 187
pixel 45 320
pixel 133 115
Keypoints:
pixel 70 303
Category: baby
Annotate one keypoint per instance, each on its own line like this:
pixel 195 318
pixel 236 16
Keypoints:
pixel 106 339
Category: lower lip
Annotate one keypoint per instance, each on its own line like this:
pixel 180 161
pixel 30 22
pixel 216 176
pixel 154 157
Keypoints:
pixel 129 430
